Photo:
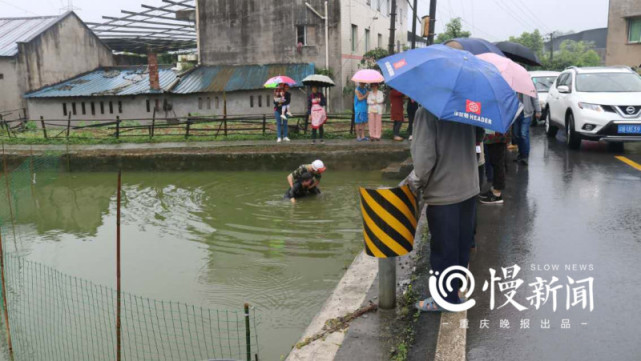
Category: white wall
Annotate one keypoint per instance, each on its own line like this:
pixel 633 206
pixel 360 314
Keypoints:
pixel 9 89
pixel 135 107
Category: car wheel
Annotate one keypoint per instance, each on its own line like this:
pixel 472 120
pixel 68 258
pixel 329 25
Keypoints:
pixel 616 147
pixel 573 139
pixel 550 129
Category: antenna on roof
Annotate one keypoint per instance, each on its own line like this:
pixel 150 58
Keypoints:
pixel 69 7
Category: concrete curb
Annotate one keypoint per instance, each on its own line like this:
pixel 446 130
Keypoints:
pixel 348 296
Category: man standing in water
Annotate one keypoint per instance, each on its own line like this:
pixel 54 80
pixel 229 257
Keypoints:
pixel 315 169
pixel 301 188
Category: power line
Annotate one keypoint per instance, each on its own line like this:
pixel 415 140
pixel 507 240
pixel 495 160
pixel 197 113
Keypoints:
pixel 19 8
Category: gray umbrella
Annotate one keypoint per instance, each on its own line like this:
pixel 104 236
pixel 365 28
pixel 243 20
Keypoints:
pixel 518 53
pixel 318 80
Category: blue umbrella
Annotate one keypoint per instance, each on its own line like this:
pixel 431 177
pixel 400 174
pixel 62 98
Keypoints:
pixel 475 46
pixel 453 85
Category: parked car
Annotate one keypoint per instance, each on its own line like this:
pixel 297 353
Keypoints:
pixel 543 80
pixel 600 103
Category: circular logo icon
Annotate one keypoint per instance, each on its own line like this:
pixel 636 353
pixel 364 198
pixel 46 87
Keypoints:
pixel 630 110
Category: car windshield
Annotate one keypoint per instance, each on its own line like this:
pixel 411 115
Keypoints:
pixel 543 83
pixel 608 82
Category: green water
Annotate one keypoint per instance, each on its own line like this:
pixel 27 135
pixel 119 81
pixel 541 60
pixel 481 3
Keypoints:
pixel 215 239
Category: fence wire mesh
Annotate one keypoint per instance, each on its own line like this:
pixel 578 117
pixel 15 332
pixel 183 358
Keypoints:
pixel 56 316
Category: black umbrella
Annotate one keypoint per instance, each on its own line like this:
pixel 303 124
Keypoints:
pixel 518 53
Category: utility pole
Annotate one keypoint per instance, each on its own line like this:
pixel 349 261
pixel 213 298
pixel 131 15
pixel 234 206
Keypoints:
pixel 430 38
pixel 414 16
pixel 392 28
pixel 552 46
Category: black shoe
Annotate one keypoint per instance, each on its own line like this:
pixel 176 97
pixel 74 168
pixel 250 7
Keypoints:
pixel 492 199
pixel 485 195
pixel 523 161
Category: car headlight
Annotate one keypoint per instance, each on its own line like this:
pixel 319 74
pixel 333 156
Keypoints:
pixel 588 106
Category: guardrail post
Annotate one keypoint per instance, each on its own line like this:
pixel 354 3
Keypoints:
pixel 387 283
pixel 352 123
pixel 264 123
pixel 118 127
pixel 44 128
pixel 153 123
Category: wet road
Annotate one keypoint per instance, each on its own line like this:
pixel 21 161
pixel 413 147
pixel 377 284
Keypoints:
pixel 579 211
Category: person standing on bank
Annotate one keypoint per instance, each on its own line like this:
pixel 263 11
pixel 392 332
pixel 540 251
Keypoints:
pixel 375 108
pixel 396 112
pixel 444 157
pixel 281 122
pixel 360 111
pixel 412 107
pixel 496 149
pixel 521 128
pixel 317 115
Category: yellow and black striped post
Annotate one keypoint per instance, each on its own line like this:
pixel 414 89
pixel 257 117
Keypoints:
pixel 389 221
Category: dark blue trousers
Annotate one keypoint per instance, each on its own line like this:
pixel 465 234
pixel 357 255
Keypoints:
pixel 452 230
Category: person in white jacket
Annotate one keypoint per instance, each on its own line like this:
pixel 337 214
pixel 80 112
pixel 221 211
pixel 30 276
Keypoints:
pixel 375 109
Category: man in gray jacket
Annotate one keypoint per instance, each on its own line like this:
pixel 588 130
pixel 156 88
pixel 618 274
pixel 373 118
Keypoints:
pixel 521 128
pixel 445 163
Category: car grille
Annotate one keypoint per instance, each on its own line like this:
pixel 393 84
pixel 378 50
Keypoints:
pixel 626 110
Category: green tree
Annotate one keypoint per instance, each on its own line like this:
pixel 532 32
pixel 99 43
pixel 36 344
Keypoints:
pixel 533 41
pixel 453 29
pixel 572 53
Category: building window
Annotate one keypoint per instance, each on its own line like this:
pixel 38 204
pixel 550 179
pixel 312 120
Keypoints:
pixel 634 30
pixel 119 106
pixel 1 76
pixel 354 37
pixel 102 107
pixel 251 101
pixel 379 44
pixel 148 106
pixel 260 101
pixel 366 40
pixel 64 109
pixel 93 108
pixel 208 103
pixel 200 103
pixel 111 107
pixel 84 109
pixel 73 108
pixel 217 104
pixel 267 100
pixel 301 35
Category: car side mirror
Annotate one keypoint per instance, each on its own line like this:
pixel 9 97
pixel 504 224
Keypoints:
pixel 563 89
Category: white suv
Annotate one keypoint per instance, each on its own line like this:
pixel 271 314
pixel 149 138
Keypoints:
pixel 601 103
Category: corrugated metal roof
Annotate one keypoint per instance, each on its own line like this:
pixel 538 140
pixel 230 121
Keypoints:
pixel 15 30
pixel 114 81
pixel 206 79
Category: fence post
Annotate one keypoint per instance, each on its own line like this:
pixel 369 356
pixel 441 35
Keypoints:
pixel 264 123
pixel 68 124
pixel 248 333
pixel 118 127
pixel 188 125
pixel 153 123
pixel 387 283
pixel 118 325
pixel 225 123
pixel 44 128
pixel 352 123
pixel 4 300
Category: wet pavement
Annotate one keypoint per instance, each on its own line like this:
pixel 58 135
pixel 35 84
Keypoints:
pixel 579 211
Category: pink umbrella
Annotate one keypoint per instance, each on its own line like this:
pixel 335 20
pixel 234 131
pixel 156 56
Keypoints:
pixel 514 74
pixel 273 82
pixel 368 76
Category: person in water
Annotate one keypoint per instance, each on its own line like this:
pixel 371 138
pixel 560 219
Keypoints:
pixel 302 188
pixel 315 169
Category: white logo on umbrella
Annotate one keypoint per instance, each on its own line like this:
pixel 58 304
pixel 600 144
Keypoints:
pixel 474 107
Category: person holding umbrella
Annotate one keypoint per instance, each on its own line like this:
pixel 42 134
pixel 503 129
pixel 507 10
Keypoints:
pixel 316 113
pixel 375 108
pixel 283 82
pixel 464 93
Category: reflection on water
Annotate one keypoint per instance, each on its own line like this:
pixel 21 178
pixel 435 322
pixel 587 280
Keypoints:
pixel 214 239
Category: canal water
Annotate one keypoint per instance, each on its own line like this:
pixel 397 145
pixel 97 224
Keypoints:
pixel 213 239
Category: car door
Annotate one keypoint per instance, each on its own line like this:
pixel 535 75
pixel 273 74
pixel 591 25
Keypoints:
pixel 556 99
